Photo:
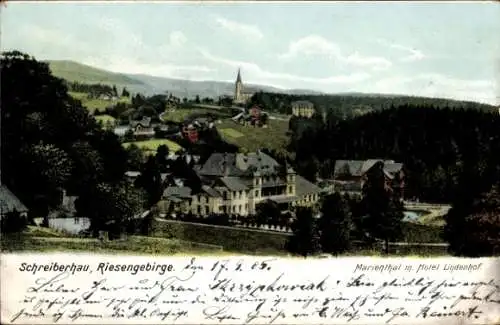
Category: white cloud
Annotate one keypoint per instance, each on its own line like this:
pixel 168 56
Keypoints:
pixel 377 63
pixel 240 28
pixel 413 54
pixel 177 39
pixel 438 85
pixel 311 45
pixel 318 45
pixel 260 75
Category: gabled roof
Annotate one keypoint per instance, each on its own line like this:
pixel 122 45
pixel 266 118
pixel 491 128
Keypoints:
pixel 233 183
pixel 210 191
pixel 238 164
pixel 9 202
pixel 360 167
pixel 177 192
pixel 304 187
pixel 348 167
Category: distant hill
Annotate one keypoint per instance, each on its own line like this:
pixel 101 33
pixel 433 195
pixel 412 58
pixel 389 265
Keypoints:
pixel 149 85
pixel 77 72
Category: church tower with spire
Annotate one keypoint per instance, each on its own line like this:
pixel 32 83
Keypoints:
pixel 238 88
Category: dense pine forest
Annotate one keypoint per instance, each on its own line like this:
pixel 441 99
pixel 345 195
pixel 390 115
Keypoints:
pixel 450 156
pixel 352 105
pixel 435 144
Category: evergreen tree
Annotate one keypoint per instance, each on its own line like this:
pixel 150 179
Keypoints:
pixel 268 212
pixel 473 224
pixel 305 238
pixel 125 92
pixel 335 224
pixel 383 213
pixel 150 181
pixel 161 157
pixel 135 158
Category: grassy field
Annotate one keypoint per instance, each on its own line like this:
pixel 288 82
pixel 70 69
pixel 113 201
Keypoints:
pixel 181 238
pixel 150 146
pixel 253 138
pixel 180 114
pixel 40 239
pixel 231 133
pixel 246 137
pixel 93 104
pixel 105 119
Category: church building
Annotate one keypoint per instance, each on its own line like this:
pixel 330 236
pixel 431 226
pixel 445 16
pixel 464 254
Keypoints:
pixel 241 95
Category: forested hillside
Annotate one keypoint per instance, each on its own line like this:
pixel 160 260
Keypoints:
pixel 51 143
pixel 435 145
pixel 350 105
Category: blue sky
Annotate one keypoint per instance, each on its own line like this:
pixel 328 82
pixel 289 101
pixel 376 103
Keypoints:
pixel 433 49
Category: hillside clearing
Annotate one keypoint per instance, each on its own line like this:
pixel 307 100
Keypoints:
pixel 254 138
pixel 93 104
pixel 181 114
pixel 150 146
pixel 77 72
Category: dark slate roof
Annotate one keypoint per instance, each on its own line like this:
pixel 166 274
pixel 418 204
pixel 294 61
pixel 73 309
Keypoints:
pixel 210 191
pixel 238 164
pixel 304 187
pixel 393 168
pixel 348 167
pixel 233 183
pixel 177 192
pixel 9 202
pixel 360 167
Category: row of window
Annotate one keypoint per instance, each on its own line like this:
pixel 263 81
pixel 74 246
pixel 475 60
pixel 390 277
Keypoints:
pixel 204 209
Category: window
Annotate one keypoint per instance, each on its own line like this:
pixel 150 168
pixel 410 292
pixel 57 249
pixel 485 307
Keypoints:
pixel 234 208
pixel 246 206
pixel 256 193
pixel 239 208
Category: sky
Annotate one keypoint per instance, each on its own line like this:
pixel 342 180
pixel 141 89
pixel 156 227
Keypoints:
pixel 447 49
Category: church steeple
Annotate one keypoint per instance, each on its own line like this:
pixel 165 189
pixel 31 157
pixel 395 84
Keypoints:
pixel 238 78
